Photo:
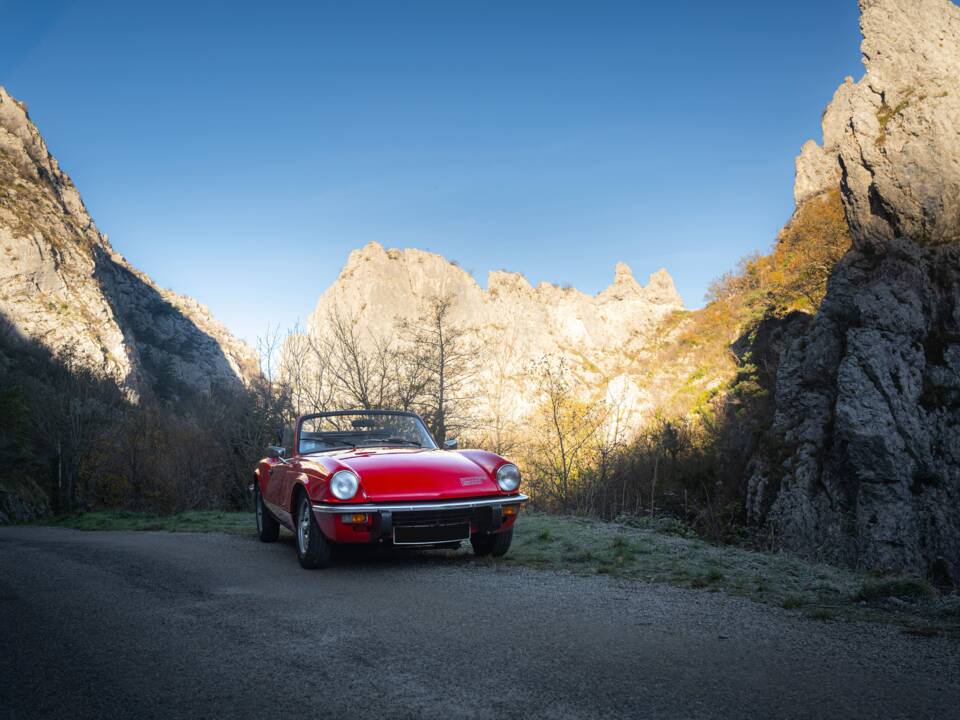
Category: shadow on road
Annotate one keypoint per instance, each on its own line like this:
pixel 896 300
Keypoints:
pixel 363 557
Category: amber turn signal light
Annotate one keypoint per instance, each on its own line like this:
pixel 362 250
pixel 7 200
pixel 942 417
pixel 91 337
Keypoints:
pixel 509 510
pixel 358 518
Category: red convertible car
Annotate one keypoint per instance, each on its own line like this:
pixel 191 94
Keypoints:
pixel 372 476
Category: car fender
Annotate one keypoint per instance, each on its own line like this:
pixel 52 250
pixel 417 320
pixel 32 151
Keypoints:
pixel 488 461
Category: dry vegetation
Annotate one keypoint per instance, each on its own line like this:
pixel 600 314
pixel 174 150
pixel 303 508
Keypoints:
pixel 86 444
pixel 426 366
pixel 718 366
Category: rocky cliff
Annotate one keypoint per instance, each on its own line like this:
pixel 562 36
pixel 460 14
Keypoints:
pixel 515 323
pixel 61 282
pixel 863 462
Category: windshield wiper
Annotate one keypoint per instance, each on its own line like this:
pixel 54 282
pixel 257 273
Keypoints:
pixel 402 441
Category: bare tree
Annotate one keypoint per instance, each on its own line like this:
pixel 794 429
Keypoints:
pixel 608 445
pixel 306 372
pixel 360 366
pixel 668 438
pixel 409 378
pixel 268 345
pixel 240 425
pixel 343 365
pixel 565 428
pixel 499 400
pixel 447 359
pixel 77 405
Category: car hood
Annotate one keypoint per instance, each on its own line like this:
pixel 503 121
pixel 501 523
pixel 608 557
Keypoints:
pixel 412 474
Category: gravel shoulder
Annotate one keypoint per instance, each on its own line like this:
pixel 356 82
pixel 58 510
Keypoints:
pixel 155 624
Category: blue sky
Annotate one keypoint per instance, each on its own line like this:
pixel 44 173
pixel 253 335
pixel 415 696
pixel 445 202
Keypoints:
pixel 237 152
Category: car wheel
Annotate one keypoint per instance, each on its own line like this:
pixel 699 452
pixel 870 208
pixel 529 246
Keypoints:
pixel 268 529
pixel 495 544
pixel 313 549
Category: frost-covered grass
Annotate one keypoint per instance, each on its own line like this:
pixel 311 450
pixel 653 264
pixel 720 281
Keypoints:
pixel 664 551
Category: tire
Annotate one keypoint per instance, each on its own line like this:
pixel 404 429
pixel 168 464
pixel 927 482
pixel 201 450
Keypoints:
pixel 313 549
pixel 268 529
pixel 495 544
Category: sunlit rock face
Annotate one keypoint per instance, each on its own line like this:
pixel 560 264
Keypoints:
pixel 379 286
pixel 514 323
pixel 863 464
pixel 61 283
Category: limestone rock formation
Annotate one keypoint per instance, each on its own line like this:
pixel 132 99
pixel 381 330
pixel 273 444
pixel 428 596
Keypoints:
pixel 817 171
pixel 61 282
pixel 516 323
pixel 380 286
pixel 863 463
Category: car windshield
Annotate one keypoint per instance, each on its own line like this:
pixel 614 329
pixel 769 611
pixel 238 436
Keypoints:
pixel 335 431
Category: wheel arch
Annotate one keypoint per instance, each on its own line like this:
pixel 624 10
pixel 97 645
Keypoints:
pixel 298 490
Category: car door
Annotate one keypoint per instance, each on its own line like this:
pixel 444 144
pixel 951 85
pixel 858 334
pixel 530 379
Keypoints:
pixel 276 494
pixel 292 476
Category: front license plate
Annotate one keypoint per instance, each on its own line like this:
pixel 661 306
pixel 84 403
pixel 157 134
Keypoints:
pixel 429 534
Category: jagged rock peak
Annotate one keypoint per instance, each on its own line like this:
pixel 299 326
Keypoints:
pixel 896 125
pixel 373 260
pixel 660 288
pixel 19 136
pixel 507 281
pixel 623 275
pixel 371 251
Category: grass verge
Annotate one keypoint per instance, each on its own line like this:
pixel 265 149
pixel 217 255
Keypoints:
pixel 191 521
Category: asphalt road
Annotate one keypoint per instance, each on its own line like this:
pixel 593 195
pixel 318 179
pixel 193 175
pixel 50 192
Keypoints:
pixel 143 625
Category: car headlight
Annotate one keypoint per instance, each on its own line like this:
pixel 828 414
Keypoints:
pixel 344 484
pixel 508 477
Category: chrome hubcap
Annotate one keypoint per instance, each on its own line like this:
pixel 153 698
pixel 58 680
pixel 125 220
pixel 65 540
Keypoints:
pixel 303 528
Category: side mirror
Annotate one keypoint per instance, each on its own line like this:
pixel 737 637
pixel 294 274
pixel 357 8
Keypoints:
pixel 450 444
pixel 275 453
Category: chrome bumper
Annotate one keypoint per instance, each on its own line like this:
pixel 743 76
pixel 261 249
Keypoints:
pixel 497 501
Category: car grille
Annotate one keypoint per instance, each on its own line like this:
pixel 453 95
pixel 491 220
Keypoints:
pixel 480 515
pixel 430 534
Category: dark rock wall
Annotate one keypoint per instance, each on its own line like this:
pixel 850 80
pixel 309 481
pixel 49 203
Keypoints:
pixel 862 463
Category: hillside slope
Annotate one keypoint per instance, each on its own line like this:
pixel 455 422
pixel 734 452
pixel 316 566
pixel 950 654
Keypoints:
pixel 62 283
